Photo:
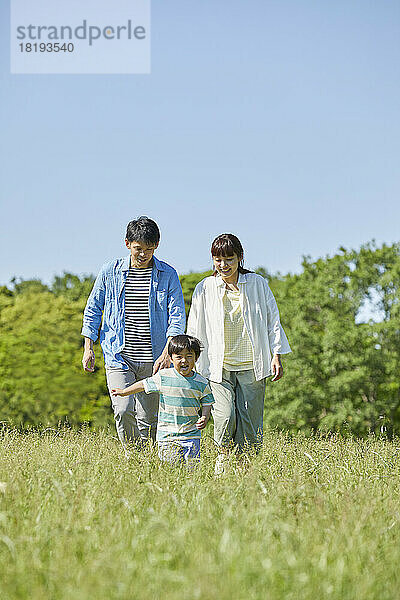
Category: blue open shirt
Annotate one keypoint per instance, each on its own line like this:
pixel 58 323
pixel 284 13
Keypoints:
pixel 107 300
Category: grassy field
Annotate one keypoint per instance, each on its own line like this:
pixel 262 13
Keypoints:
pixel 307 518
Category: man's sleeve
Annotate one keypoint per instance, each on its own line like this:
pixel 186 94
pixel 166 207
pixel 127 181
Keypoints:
pixel 176 307
pixel 152 384
pixel 207 397
pixel 94 308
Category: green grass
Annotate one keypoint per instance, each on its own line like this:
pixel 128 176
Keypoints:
pixel 308 518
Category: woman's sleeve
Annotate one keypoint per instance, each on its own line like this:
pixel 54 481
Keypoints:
pixel 193 324
pixel 197 327
pixel 278 341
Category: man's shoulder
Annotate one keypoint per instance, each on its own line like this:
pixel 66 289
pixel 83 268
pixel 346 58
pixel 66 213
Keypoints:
pixel 113 265
pixel 163 266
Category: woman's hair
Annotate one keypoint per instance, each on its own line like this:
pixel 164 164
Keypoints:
pixel 228 244
pixel 184 342
pixel 143 230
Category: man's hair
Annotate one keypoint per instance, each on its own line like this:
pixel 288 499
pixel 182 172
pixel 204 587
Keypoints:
pixel 184 342
pixel 143 230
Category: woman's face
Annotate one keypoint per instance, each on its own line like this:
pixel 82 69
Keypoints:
pixel 227 266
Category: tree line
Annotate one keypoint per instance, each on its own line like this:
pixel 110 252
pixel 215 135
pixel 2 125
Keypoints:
pixel 341 315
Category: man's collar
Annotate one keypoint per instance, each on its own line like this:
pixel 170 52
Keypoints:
pixel 158 264
pixel 127 263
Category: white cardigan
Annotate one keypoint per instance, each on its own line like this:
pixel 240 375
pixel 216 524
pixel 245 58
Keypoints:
pixel 260 315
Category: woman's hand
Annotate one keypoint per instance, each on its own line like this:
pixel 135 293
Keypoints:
pixel 276 366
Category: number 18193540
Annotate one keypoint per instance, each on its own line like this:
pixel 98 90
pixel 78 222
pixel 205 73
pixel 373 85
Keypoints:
pixel 46 47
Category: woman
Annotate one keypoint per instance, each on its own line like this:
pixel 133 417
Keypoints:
pixel 235 316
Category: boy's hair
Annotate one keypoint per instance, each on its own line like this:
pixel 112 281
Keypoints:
pixel 184 342
pixel 143 230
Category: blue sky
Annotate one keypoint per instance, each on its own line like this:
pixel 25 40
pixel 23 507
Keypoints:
pixel 277 121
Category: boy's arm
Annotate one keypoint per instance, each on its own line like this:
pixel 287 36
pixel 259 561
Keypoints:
pixel 205 415
pixel 136 387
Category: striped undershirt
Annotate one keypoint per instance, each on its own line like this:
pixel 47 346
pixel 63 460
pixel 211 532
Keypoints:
pixel 137 319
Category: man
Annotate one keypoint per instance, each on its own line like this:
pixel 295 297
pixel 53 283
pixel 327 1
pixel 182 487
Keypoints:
pixel 140 299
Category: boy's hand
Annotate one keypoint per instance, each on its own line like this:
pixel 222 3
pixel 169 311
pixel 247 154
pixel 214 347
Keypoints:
pixel 201 422
pixel 117 392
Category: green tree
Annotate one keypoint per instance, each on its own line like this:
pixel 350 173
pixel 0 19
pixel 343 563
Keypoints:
pixel 42 380
pixel 341 314
pixel 343 373
pixel 71 286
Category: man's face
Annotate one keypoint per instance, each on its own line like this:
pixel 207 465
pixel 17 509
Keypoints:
pixel 141 254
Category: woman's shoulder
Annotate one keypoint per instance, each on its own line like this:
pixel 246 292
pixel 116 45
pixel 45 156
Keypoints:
pixel 255 278
pixel 258 283
pixel 205 284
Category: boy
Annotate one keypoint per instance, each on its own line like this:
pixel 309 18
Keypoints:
pixel 183 394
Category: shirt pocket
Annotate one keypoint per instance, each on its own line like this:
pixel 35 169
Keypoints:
pixel 161 297
pixel 111 288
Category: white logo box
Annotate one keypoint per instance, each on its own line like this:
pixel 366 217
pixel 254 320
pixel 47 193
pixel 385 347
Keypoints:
pixel 80 37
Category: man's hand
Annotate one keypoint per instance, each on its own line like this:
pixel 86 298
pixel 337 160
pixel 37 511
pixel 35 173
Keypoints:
pixel 162 362
pixel 88 360
pixel 276 366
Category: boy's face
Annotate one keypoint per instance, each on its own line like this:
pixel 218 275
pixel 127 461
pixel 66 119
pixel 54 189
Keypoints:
pixel 184 362
pixel 141 254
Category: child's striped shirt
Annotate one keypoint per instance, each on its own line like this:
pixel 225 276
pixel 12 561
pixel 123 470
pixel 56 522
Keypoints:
pixel 181 400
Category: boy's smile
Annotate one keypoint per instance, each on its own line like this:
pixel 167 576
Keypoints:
pixel 184 362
